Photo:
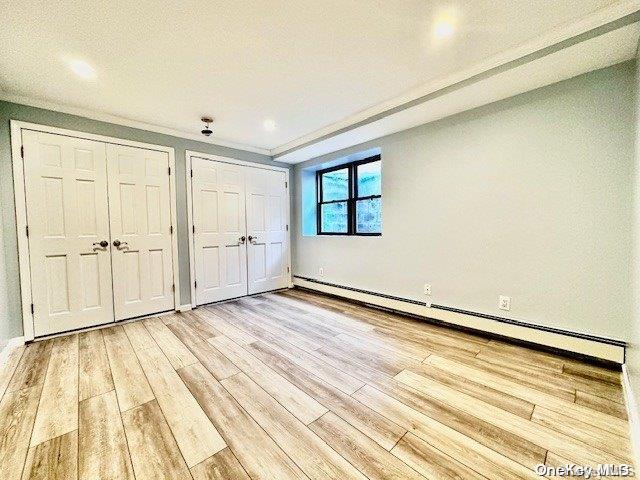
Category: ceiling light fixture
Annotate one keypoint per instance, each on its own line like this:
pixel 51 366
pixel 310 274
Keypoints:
pixel 206 131
pixel 269 125
pixel 82 69
pixel 443 26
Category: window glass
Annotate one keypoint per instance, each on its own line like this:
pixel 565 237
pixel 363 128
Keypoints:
pixel 335 185
pixel 334 217
pixel 369 179
pixel 369 215
pixel 350 201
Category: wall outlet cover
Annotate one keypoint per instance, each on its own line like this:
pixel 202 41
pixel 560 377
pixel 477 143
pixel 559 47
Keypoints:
pixel 504 302
pixel 427 289
pixel 321 271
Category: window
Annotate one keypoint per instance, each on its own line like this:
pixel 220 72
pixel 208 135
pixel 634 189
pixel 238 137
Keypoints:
pixel 350 198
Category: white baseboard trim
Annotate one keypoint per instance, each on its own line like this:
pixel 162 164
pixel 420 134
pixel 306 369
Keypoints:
pixel 185 308
pixel 582 346
pixel 632 413
pixel 8 348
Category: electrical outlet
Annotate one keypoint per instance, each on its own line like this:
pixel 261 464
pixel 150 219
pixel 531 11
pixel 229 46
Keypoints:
pixel 321 272
pixel 427 289
pixel 504 302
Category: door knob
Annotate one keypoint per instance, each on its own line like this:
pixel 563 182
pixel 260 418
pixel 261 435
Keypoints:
pixel 117 243
pixel 103 244
pixel 241 240
pixel 251 239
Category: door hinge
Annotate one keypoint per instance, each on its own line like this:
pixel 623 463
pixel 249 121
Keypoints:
pixel 22 151
pixel 286 184
pixel 288 270
pixel 169 170
pixel 195 284
pixel 27 230
pixel 171 229
pixel 287 228
pixel 193 229
pixel 192 173
pixel 173 287
pixel 32 309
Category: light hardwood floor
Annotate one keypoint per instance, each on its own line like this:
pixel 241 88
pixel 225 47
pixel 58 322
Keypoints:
pixel 299 385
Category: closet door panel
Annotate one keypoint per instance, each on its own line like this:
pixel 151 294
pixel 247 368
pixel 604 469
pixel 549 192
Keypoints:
pixel 140 218
pixel 267 230
pixel 218 192
pixel 67 215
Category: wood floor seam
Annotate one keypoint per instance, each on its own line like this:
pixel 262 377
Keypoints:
pixel 126 439
pixel 239 406
pixel 11 363
pixel 147 379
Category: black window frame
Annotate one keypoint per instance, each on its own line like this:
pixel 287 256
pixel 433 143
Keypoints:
pixel 352 169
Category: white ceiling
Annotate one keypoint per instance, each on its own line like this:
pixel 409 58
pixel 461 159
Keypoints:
pixel 308 65
pixel 599 52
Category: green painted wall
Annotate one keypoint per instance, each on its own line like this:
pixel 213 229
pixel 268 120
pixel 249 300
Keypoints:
pixel 529 197
pixel 10 307
pixel 633 352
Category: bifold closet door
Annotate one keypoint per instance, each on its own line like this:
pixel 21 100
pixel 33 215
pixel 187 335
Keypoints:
pixel 67 217
pixel 140 218
pixel 267 221
pixel 218 192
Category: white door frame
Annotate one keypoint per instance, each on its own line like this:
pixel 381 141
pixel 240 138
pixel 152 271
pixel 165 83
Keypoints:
pixel 217 158
pixel 21 207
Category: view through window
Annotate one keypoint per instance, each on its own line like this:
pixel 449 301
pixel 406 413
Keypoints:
pixel 350 198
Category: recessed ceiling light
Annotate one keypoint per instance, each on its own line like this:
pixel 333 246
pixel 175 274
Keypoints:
pixel 82 69
pixel 269 125
pixel 443 27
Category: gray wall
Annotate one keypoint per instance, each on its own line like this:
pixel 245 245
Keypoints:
pixel 633 353
pixel 10 308
pixel 528 197
pixel 4 307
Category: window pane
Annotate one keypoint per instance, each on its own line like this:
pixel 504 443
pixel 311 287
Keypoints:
pixel 335 185
pixel 333 217
pixel 369 179
pixel 369 216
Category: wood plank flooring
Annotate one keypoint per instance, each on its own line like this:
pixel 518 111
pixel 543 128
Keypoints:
pixel 299 385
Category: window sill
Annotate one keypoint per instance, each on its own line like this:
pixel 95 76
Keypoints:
pixel 348 234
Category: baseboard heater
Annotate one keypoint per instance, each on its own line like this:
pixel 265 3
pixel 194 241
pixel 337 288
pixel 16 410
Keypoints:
pixel 579 345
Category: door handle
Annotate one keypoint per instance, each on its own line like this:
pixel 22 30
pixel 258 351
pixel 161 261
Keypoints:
pixel 102 244
pixel 251 239
pixel 117 243
pixel 241 240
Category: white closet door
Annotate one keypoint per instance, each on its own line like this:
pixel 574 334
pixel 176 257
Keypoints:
pixel 266 230
pixel 67 216
pixel 140 214
pixel 218 191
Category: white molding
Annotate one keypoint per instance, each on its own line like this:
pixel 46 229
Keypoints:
pixel 568 343
pixel 192 260
pixel 90 136
pixel 594 20
pixel 185 308
pixel 189 154
pixel 21 226
pixel 117 120
pixel 234 161
pixel 632 413
pixel 12 344
pixel 21 207
pixel 174 234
